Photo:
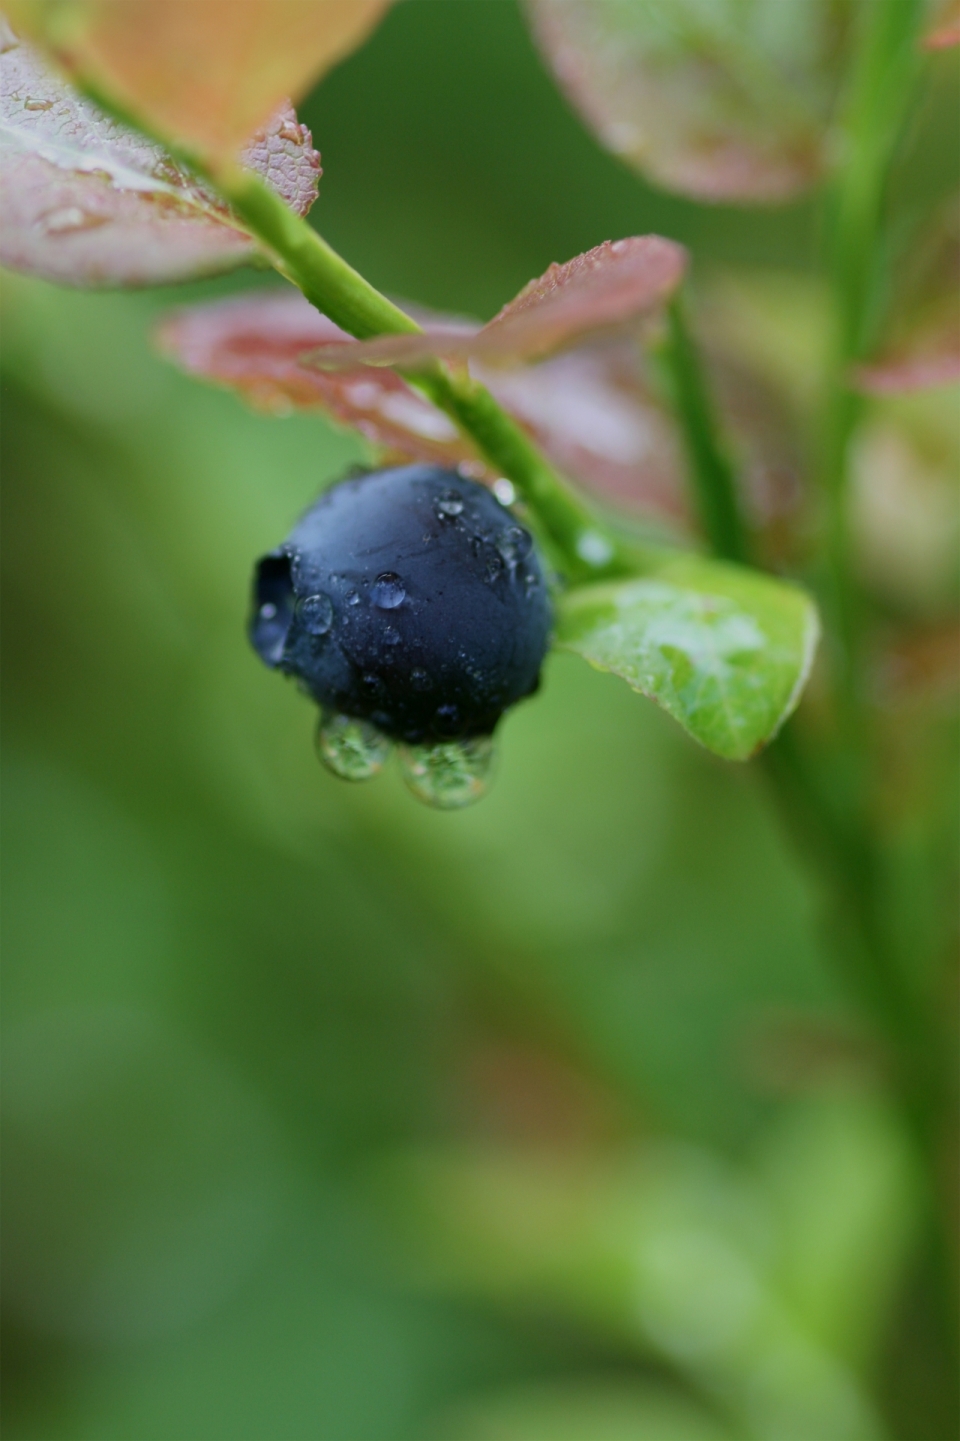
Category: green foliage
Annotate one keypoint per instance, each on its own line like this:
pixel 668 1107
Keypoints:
pixel 724 650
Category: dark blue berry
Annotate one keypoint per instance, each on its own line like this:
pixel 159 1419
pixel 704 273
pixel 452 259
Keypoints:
pixel 408 597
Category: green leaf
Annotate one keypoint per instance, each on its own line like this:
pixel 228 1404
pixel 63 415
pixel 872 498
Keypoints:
pixel 725 650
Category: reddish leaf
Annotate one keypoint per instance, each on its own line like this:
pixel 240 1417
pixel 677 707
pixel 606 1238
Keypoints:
pixel 87 201
pixel 599 422
pixel 253 344
pixel 204 73
pixel 724 102
pixel 616 282
pixel 921 348
pixel 946 28
pixel 589 409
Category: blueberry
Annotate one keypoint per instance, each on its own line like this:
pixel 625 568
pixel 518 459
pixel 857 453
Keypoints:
pixel 410 598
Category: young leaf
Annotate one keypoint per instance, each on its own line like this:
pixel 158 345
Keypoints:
pixel 593 412
pixel 253 344
pixel 87 201
pixel 589 409
pixel 725 650
pixel 724 101
pixel 614 283
pixel 205 74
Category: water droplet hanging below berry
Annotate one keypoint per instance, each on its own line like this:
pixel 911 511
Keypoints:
pixel 353 749
pixel 448 774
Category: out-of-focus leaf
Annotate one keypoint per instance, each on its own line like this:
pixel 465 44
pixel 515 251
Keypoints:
pixel 921 348
pixel 599 421
pixel 87 201
pixel 724 650
pixel 254 344
pixel 718 99
pixel 946 28
pixel 581 1410
pixel 589 409
pixel 615 282
pixel 906 518
pixel 671 1250
pixel 203 73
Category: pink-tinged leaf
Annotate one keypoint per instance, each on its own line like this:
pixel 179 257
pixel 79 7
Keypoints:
pixel 205 74
pixel 616 282
pixel 900 375
pixel 590 409
pixel 728 101
pixel 87 201
pixel 253 344
pixel 946 28
pixel 600 423
pixel 921 348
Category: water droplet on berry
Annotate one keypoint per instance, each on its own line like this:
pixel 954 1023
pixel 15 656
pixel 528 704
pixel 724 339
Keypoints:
pixel 419 679
pixel 391 636
pixel 388 591
pixel 353 749
pixel 316 613
pixel 448 774
pixel 449 504
pixel 353 597
pixel 514 544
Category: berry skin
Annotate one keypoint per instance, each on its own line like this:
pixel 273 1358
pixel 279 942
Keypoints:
pixel 410 598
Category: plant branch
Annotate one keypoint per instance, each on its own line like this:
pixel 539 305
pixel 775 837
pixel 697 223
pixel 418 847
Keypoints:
pixel 881 86
pixel 580 545
pixel 712 476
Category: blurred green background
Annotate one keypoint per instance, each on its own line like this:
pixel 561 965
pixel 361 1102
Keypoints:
pixel 331 1117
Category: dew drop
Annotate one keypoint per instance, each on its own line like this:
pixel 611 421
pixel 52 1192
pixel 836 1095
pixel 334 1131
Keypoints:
pixel 449 504
pixel 419 679
pixel 391 636
pixel 315 613
pixel 388 591
pixel 513 544
pixel 448 774
pixel 353 597
pixel 493 569
pixel 353 749
pixel 69 219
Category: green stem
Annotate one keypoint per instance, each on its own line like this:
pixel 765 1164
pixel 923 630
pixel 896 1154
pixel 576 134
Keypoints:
pixel 580 545
pixel 712 475
pixel 879 94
